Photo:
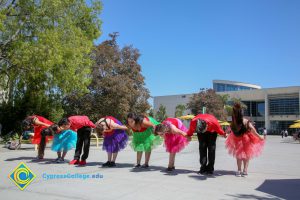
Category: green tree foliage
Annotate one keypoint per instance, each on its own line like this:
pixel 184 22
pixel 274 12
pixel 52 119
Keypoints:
pixel 44 53
pixel 229 105
pixel 207 98
pixel 117 85
pixel 179 110
pixel 151 113
pixel 161 114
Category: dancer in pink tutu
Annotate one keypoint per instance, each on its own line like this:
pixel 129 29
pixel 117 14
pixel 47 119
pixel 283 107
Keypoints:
pixel 243 142
pixel 174 132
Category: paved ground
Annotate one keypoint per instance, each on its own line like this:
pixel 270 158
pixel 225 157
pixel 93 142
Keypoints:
pixel 274 175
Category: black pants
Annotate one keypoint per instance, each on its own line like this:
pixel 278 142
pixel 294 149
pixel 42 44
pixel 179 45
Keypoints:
pixel 42 145
pixel 207 150
pixel 83 141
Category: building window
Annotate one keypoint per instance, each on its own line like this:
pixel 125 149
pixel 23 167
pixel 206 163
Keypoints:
pixel 284 106
pixel 254 109
pixel 219 87
pixel 278 126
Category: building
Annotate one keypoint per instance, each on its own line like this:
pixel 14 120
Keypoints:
pixel 225 86
pixel 273 108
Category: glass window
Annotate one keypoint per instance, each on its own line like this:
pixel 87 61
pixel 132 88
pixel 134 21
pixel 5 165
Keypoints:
pixel 285 106
pixel 260 109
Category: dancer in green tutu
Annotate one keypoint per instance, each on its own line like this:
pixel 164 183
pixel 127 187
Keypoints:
pixel 144 139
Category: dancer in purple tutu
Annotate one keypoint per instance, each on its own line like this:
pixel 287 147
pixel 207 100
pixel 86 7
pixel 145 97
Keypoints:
pixel 115 138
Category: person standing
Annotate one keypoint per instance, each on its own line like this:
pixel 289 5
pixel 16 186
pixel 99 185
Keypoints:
pixel 143 139
pixel 243 142
pixel 207 128
pixel 175 137
pixel 83 126
pixel 265 132
pixel 40 136
pixel 115 138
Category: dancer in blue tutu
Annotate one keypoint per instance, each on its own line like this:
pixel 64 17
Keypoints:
pixel 115 138
pixel 64 141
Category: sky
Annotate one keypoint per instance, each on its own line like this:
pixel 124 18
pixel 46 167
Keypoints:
pixel 184 45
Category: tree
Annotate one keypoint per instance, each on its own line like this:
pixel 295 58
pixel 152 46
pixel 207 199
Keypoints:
pixel 179 110
pixel 44 53
pixel 151 113
pixel 231 102
pixel 117 85
pixel 161 114
pixel 210 100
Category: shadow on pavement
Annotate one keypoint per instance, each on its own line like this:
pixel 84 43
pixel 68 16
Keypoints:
pixel 251 196
pixel 283 188
pixel 32 159
pixel 217 173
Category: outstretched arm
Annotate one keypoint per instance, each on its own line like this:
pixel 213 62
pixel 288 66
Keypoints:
pixel 175 130
pixel 36 121
pixel 253 130
pixel 147 124
pixel 114 125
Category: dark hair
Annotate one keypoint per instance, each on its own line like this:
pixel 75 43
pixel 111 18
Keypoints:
pixel 138 119
pixel 161 128
pixel 63 121
pixel 201 126
pixel 51 130
pixel 99 129
pixel 237 114
pixel 237 125
pixel 27 123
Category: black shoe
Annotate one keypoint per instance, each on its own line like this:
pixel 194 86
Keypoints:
pixel 169 169
pixel 210 173
pixel 112 164
pixel 137 166
pixel 202 171
pixel 145 166
pixel 107 164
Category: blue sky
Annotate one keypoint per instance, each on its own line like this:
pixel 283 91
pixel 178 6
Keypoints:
pixel 187 44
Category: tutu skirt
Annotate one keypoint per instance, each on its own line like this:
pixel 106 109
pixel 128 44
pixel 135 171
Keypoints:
pixel 115 142
pixel 246 146
pixel 146 141
pixel 174 143
pixel 64 141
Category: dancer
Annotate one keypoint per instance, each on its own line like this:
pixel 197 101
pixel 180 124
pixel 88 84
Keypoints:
pixel 115 138
pixel 38 123
pixel 207 127
pixel 174 133
pixel 83 126
pixel 243 142
pixel 64 140
pixel 143 138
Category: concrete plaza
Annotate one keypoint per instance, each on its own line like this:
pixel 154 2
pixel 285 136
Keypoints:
pixel 273 175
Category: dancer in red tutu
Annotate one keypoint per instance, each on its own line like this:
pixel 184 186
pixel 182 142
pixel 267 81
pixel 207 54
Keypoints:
pixel 174 132
pixel 207 127
pixel 243 142
pixel 39 123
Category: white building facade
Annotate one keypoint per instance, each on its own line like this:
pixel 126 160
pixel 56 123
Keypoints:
pixel 273 108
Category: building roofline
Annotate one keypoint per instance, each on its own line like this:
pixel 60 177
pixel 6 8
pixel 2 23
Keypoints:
pixel 237 83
